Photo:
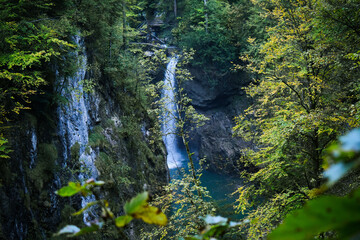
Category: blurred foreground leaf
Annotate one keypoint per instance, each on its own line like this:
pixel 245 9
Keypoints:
pixel 123 220
pixel 341 214
pixel 68 230
pixel 136 203
pixel 70 190
pixel 152 215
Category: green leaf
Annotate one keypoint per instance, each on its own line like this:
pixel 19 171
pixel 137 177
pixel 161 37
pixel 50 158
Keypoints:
pixel 74 231
pixel 321 215
pixel 196 237
pixel 136 203
pixel 4 148
pixel 123 220
pixel 70 190
pixel 216 230
pixel 90 229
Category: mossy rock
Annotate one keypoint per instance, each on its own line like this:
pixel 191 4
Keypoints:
pixel 45 165
pixel 75 156
pixel 75 151
pixel 111 171
pixel 97 138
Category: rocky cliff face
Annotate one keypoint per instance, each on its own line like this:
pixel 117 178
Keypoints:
pixel 220 103
pixel 83 135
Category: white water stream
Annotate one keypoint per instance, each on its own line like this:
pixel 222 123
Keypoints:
pixel 74 122
pixel 220 186
pixel 174 155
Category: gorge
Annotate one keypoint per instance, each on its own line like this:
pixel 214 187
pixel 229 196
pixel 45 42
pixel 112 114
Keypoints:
pixel 184 119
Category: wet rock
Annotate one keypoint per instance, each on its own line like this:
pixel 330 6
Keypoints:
pixel 53 150
pixel 220 103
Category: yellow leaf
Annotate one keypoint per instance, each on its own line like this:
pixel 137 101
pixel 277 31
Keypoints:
pixel 152 215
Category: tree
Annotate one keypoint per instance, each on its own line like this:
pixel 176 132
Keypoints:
pixel 330 216
pixel 205 24
pixel 30 41
pixel 185 199
pixel 136 208
pixel 300 107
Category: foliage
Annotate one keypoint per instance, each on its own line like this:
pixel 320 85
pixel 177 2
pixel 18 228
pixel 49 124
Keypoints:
pixel 329 213
pixel 96 138
pixel 302 99
pixel 115 173
pixel 37 37
pixel 180 200
pixel 216 227
pixel 321 215
pixel 199 27
pixel 185 199
pixel 136 208
pixel 4 150
pixel 218 32
pixel 28 44
pixel 45 166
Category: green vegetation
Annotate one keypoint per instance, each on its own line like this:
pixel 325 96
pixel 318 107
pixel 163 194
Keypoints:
pixel 326 214
pixel 28 43
pixel 45 167
pixel 4 148
pixel 303 93
pixel 184 202
pixel 137 207
pixel 218 32
pixel 303 56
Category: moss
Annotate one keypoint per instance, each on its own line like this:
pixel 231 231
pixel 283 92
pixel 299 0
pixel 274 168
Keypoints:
pixel 97 138
pixel 27 201
pixel 1 233
pixel 87 150
pixel 110 123
pixel 108 232
pixel 31 119
pixel 114 172
pixel 131 127
pixel 75 151
pixel 75 155
pixel 68 218
pixel 6 175
pixel 45 165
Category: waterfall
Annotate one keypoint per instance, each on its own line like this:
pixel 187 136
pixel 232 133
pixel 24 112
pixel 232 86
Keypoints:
pixel 33 150
pixel 174 155
pixel 74 121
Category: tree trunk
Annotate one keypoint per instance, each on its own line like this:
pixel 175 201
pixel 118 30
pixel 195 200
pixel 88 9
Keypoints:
pixel 175 9
pixel 206 16
pixel 110 36
pixel 186 143
pixel 124 24
pixel 316 158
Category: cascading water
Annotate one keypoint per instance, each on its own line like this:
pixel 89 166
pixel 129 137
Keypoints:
pixel 74 121
pixel 33 151
pixel 174 155
pixel 220 186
